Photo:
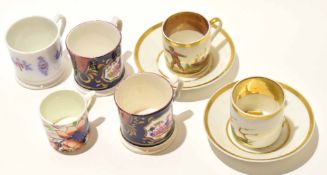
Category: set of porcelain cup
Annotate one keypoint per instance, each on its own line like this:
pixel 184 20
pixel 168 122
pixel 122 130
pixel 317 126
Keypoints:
pixel 252 111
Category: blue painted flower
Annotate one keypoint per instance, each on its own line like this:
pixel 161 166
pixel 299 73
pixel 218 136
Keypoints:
pixel 22 65
pixel 58 53
pixel 43 65
pixel 26 65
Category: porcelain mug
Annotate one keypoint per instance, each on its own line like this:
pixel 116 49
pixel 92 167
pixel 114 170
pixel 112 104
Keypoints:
pixel 257 111
pixel 65 117
pixel 187 39
pixel 94 47
pixel 35 49
pixel 145 106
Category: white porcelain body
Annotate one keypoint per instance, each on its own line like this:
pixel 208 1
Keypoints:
pixel 36 65
pixel 65 117
pixel 259 133
pixel 257 111
pixel 144 91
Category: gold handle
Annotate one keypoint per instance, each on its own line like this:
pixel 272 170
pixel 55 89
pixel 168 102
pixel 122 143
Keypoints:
pixel 213 23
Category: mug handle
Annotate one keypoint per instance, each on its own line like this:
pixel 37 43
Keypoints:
pixel 178 89
pixel 117 22
pixel 61 23
pixel 90 100
pixel 213 23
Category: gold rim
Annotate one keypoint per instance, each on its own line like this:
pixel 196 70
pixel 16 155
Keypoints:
pixel 285 86
pixel 241 113
pixel 174 43
pixel 191 44
pixel 155 27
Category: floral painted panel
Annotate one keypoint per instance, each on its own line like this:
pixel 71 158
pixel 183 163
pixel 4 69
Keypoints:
pixel 68 138
pixel 22 65
pixel 98 73
pixel 158 128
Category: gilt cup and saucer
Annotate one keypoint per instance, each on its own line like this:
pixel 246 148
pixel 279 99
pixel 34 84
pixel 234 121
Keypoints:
pixel 252 135
pixel 188 47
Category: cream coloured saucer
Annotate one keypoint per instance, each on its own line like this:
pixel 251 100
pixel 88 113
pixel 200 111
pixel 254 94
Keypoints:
pixel 64 73
pixel 297 128
pixel 149 58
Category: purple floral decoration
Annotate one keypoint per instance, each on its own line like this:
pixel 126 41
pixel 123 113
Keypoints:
pixel 58 53
pixel 43 66
pixel 22 65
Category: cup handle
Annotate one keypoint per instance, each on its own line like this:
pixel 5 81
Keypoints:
pixel 90 100
pixel 117 22
pixel 61 23
pixel 178 89
pixel 213 23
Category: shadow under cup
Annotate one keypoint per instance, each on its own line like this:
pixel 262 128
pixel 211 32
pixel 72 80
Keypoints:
pixel 144 104
pixel 257 111
pixel 64 117
pixel 95 50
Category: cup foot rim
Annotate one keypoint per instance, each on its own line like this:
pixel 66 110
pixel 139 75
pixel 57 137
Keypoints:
pixel 64 72
pixel 54 82
pixel 153 149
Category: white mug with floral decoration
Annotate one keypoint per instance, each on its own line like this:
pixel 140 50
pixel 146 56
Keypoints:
pixel 187 39
pixel 257 111
pixel 35 49
pixel 65 117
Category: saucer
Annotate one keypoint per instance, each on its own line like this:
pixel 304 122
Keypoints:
pixel 64 73
pixel 297 128
pixel 152 149
pixel 149 57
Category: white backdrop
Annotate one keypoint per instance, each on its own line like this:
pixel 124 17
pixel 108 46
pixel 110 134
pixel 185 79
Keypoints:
pixel 283 39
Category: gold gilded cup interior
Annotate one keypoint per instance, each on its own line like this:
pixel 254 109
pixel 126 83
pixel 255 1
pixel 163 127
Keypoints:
pixel 185 21
pixel 258 96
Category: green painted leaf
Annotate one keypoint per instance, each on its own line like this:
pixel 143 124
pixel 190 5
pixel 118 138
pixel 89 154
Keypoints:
pixel 74 123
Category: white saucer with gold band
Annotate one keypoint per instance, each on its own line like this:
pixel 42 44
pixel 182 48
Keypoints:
pixel 149 57
pixel 296 132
